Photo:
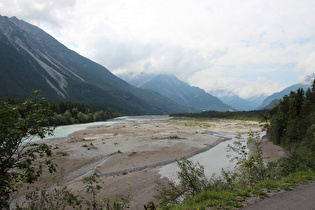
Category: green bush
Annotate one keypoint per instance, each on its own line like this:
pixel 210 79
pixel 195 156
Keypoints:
pixel 21 162
pixel 65 199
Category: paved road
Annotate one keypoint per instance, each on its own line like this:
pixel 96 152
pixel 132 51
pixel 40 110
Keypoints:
pixel 300 198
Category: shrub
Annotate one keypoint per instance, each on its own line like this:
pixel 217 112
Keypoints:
pixel 64 198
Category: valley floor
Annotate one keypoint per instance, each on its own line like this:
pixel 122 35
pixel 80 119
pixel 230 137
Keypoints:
pixel 130 153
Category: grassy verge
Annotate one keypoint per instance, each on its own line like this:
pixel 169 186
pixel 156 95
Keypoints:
pixel 236 196
pixel 252 179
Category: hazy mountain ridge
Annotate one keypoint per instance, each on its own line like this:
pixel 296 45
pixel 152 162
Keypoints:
pixel 237 102
pixel 179 91
pixel 270 101
pixel 259 102
pixel 32 59
pixel 137 80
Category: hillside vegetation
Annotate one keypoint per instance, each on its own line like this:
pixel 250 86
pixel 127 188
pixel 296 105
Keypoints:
pixel 235 115
pixel 67 112
pixel 291 123
pixel 32 59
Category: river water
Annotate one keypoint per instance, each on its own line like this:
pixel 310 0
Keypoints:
pixel 213 160
pixel 66 130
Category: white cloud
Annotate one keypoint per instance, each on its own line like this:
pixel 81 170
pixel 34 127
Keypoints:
pixel 307 66
pixel 202 42
pixel 39 11
pixel 211 80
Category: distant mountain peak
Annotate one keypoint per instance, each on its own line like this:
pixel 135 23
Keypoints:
pixel 32 59
pixel 236 102
pixel 181 92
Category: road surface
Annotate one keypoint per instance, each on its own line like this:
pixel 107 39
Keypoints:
pixel 300 198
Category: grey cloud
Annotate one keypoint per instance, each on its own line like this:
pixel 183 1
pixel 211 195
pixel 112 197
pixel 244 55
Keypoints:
pixel 153 58
pixel 38 10
pixel 115 54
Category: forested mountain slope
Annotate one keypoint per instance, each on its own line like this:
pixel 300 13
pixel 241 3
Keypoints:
pixel 270 101
pixel 32 59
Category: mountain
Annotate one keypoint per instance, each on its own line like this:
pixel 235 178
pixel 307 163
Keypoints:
pixel 182 93
pixel 32 59
pixel 270 101
pixel 271 104
pixel 137 80
pixel 238 103
pixel 234 101
pixel 257 99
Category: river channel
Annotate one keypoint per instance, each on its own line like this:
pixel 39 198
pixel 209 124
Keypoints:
pixel 65 130
pixel 213 160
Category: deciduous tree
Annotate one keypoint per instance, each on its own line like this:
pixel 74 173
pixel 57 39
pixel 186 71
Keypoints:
pixel 21 162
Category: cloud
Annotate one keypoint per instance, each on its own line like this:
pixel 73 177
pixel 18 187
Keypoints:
pixel 259 45
pixel 169 59
pixel 212 80
pixel 307 66
pixel 51 12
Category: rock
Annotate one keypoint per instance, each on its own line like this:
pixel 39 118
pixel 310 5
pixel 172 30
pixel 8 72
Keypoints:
pixel 149 206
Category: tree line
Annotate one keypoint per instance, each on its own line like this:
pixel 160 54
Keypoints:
pixel 292 125
pixel 68 112
pixel 235 115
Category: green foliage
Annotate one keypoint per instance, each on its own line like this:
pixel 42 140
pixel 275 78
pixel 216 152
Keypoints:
pixel 64 198
pixel 299 177
pixel 292 125
pixel 236 115
pixel 228 190
pixel 58 199
pixel 298 161
pixel 191 181
pixel 21 162
pixel 191 176
pixel 251 177
pixel 234 196
pixel 92 186
pixel 213 199
pixel 168 193
pixel 190 123
pixel 250 166
pixel 66 113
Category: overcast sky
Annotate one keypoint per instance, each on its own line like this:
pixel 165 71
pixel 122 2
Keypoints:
pixel 249 47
